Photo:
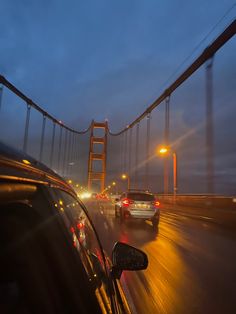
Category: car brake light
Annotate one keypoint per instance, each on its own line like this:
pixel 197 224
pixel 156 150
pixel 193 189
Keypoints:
pixel 80 225
pixel 156 203
pixel 126 202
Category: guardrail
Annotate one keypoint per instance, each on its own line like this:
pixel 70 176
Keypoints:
pixel 203 201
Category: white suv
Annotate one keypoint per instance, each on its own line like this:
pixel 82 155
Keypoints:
pixel 138 205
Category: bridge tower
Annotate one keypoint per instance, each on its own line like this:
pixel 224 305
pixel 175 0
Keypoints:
pixel 97 154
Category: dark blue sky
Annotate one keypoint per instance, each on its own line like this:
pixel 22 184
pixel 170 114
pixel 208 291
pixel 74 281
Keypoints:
pixel 110 59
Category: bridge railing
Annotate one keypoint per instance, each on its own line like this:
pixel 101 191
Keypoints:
pixel 199 201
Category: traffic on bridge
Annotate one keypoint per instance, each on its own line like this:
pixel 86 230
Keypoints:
pixel 118 158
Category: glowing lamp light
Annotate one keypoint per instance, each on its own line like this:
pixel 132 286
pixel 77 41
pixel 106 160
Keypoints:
pixel 85 195
pixel 26 162
pixel 163 150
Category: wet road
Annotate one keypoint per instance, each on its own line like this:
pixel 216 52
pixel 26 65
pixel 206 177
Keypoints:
pixel 192 262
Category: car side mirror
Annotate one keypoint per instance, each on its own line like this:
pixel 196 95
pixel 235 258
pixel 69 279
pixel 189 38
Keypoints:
pixel 126 257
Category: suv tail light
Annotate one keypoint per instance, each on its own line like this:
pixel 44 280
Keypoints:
pixel 80 225
pixel 156 203
pixel 126 202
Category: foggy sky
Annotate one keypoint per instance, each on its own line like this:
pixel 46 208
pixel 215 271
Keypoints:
pixel 83 60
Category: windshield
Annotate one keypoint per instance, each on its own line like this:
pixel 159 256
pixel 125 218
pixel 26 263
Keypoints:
pixel 141 197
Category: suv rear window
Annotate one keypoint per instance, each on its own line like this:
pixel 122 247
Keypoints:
pixel 141 196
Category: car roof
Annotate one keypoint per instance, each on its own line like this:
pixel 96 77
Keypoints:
pixel 139 192
pixel 19 166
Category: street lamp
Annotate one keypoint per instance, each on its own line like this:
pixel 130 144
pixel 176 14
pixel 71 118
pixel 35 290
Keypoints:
pixel 163 151
pixel 124 177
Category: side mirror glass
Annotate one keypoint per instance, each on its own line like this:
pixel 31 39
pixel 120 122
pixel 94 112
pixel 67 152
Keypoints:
pixel 126 257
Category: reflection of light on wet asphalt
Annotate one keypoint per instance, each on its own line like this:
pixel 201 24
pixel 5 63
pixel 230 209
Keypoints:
pixel 187 270
pixel 168 276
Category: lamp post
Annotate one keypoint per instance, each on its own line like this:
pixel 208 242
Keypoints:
pixel 124 177
pixel 164 151
pixel 114 185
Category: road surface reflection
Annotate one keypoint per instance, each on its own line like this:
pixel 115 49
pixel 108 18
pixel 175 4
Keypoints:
pixel 191 262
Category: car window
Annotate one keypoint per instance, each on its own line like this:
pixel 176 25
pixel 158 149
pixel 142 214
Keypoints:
pixel 87 244
pixel 39 272
pixel 141 197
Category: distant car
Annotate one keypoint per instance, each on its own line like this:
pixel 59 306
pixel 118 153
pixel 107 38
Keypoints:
pixel 138 205
pixel 102 197
pixel 51 259
pixel 94 195
pixel 114 197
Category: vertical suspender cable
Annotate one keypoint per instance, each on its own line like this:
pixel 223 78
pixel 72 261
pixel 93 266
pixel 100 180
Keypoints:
pixel 59 150
pixel 71 160
pixel 73 152
pixel 26 128
pixel 77 149
pixel 125 152
pixel 130 152
pixel 121 152
pixel 65 153
pixel 166 140
pixel 68 165
pixel 52 145
pixel 73 148
pixel 167 120
pixel 136 156
pixel 147 152
pixel 42 138
pixel 209 128
pixel 120 155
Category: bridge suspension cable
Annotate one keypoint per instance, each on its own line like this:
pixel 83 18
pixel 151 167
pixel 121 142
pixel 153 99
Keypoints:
pixel 32 104
pixel 66 151
pixel 226 35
